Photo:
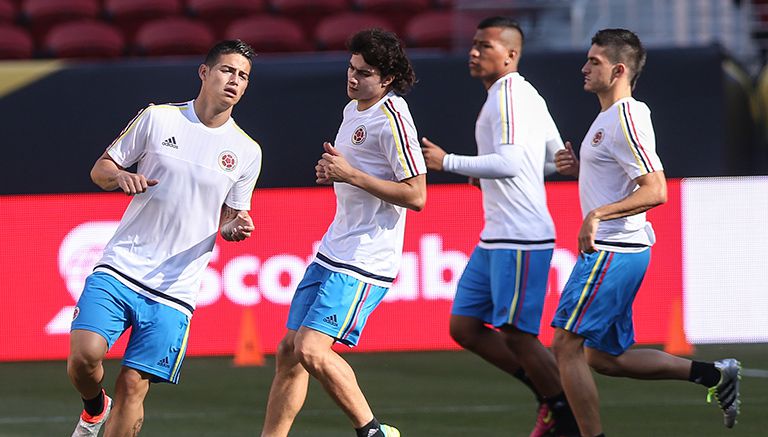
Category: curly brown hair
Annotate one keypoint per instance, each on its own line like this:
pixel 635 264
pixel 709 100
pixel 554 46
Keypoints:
pixel 383 50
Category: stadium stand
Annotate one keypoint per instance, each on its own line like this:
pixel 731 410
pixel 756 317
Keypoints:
pixel 130 15
pixel 7 11
pixel 398 12
pixel 42 15
pixel 333 31
pixel 85 39
pixel 173 36
pixel 15 43
pixel 220 13
pixel 268 33
pixel 438 29
pixel 308 13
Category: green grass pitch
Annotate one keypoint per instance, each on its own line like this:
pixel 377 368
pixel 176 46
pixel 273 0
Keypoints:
pixel 423 393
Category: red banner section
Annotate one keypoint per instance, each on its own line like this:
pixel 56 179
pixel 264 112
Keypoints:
pixel 50 243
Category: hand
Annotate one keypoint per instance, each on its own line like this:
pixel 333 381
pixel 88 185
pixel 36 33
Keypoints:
pixel 566 162
pixel 239 228
pixel 133 183
pixel 587 233
pixel 333 167
pixel 433 154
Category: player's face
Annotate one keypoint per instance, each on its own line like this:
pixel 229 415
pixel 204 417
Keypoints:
pixel 598 71
pixel 227 80
pixel 364 82
pixel 487 55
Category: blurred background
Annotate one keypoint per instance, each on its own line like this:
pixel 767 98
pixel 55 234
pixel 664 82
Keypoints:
pixel 74 72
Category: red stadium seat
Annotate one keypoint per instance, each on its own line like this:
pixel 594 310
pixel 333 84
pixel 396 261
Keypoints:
pixel 440 29
pixel 44 14
pixel 266 33
pixel 85 39
pixel 309 12
pixel 332 32
pixel 395 11
pixel 129 15
pixel 220 13
pixel 173 36
pixel 15 43
pixel 7 11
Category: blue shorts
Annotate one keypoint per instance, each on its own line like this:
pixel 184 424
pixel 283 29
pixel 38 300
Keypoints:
pixel 596 302
pixel 158 340
pixel 333 303
pixel 504 287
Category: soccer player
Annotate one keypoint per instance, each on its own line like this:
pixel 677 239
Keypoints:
pixel 377 172
pixel 620 177
pixel 505 281
pixel 196 172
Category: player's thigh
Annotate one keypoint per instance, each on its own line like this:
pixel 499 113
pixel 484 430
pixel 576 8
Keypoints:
pixel 304 296
pixel 519 287
pixel 103 309
pixel 473 291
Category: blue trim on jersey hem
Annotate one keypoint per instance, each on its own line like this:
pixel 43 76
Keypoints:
pixel 147 289
pixel 357 270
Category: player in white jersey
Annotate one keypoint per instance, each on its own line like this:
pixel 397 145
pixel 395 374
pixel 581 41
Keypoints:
pixel 505 282
pixel 377 172
pixel 620 177
pixel 195 175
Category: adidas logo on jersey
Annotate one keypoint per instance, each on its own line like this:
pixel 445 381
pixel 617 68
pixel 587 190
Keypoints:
pixel 170 142
pixel 331 320
pixel 164 363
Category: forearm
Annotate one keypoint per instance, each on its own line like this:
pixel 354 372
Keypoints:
pixel 641 200
pixel 410 193
pixel 504 164
pixel 104 174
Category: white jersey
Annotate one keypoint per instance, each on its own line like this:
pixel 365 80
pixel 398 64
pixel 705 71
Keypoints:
pixel 365 239
pixel 619 147
pixel 167 234
pixel 516 214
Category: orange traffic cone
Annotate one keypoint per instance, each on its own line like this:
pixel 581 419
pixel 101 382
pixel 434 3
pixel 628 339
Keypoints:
pixel 249 351
pixel 677 343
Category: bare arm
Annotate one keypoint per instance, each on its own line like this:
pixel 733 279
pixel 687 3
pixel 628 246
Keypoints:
pixel 651 192
pixel 410 193
pixel 235 225
pixel 110 176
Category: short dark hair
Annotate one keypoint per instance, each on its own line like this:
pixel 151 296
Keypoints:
pixel 622 46
pixel 383 50
pixel 228 47
pixel 503 22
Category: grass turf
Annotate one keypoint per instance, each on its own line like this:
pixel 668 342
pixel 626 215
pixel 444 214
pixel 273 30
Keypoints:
pixel 423 393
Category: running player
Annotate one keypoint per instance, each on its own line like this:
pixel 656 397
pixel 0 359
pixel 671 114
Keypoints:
pixel 377 172
pixel 196 172
pixel 620 177
pixel 505 282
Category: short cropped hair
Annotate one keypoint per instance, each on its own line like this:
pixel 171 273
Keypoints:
pixel 622 46
pixel 383 50
pixel 503 22
pixel 229 47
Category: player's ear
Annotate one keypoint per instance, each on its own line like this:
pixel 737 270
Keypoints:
pixel 202 71
pixel 387 81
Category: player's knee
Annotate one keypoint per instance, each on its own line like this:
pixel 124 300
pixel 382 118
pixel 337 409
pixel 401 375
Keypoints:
pixel 81 363
pixel 310 356
pixel 564 346
pixel 463 334
pixel 132 386
pixel 285 350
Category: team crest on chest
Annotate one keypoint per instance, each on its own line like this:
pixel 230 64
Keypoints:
pixel 359 135
pixel 227 160
pixel 598 138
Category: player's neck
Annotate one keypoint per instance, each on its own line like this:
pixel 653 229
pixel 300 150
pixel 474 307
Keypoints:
pixel 612 95
pixel 209 114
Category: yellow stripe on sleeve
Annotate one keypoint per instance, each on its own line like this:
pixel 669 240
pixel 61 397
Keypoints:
pixel 398 144
pixel 625 128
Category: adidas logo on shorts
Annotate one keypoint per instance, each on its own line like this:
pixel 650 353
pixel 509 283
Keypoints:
pixel 331 320
pixel 164 363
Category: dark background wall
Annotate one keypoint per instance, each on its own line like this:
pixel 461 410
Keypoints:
pixel 54 129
